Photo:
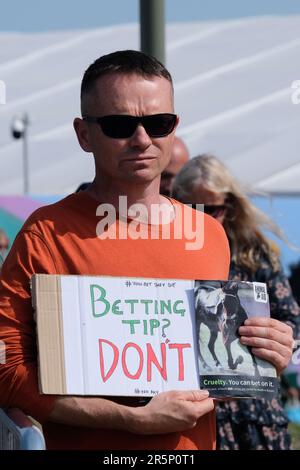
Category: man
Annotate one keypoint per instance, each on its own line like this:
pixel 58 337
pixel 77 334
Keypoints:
pixel 128 124
pixel 179 156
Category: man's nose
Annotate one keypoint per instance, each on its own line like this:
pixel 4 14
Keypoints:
pixel 140 138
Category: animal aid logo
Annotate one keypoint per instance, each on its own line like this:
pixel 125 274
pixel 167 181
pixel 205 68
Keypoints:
pixel 2 92
pixel 260 292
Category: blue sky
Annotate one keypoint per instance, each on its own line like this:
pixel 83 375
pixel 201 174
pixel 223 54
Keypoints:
pixel 41 15
pixel 285 212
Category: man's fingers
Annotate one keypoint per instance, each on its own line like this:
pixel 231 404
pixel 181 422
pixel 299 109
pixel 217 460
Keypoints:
pixel 203 407
pixel 279 361
pixel 268 322
pixel 258 342
pixel 256 333
pixel 267 333
pixel 194 395
pixel 269 339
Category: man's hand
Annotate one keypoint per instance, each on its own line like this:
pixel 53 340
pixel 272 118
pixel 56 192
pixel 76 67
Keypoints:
pixel 269 339
pixel 167 412
pixel 171 412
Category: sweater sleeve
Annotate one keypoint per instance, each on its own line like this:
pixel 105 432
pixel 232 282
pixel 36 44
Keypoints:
pixel 18 363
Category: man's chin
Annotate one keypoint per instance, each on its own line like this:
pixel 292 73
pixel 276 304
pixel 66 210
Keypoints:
pixel 141 176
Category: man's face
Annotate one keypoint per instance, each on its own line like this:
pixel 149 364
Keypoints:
pixel 139 158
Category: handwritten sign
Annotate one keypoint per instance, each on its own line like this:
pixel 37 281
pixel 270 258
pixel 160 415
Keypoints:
pixel 127 336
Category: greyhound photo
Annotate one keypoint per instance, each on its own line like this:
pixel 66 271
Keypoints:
pixel 219 308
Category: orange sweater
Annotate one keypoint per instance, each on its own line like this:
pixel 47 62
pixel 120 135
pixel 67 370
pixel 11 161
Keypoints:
pixel 61 239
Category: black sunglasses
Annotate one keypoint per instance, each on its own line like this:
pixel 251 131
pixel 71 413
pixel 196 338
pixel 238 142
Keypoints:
pixel 214 210
pixel 122 126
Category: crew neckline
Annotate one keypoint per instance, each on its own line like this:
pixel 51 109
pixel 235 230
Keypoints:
pixel 88 199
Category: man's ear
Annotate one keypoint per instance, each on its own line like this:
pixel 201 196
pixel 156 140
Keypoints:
pixel 82 132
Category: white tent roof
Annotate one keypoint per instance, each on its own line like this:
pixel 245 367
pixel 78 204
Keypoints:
pixel 232 91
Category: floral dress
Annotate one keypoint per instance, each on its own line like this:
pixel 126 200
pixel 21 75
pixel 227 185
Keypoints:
pixel 259 423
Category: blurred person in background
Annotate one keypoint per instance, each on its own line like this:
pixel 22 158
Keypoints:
pixel 179 156
pixel 290 384
pixel 246 423
pixel 294 279
pixel 4 244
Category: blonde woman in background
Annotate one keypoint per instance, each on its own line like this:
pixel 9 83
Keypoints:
pixel 247 423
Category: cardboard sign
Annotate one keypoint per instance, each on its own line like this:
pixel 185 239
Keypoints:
pixel 114 336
